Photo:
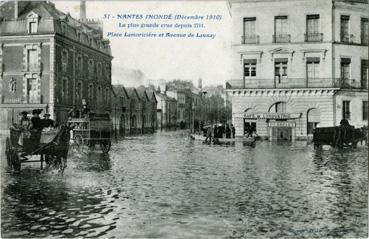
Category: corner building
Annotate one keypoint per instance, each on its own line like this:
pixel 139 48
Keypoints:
pixel 298 65
pixel 51 61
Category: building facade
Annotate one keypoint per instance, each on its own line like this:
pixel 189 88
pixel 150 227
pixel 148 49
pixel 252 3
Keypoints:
pixel 133 110
pixel 51 61
pixel 297 65
pixel 166 111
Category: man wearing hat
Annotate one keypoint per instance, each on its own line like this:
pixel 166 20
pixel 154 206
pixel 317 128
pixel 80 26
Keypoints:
pixel 47 122
pixel 35 120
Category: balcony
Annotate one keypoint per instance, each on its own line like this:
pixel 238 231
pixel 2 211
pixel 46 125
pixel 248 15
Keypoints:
pixel 281 38
pixel 251 39
pixel 293 83
pixel 349 38
pixel 313 37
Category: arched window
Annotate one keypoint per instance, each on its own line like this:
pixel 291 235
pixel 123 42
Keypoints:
pixel 278 107
pixel 313 119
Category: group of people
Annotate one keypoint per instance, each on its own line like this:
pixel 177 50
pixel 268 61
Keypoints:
pixel 33 124
pixel 216 132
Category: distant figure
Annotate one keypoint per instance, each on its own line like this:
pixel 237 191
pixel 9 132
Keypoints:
pixel 35 120
pixel 47 122
pixel 228 131
pixel 209 133
pixel 73 113
pixel 85 111
pixel 233 131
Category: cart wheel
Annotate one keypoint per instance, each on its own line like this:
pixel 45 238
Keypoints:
pixel 105 145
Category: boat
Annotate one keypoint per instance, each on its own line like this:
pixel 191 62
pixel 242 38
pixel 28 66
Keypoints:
pixel 225 140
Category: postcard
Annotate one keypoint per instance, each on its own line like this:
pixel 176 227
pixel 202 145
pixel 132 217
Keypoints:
pixel 184 119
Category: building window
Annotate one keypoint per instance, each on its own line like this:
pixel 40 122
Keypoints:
pixel 32 90
pixel 364 31
pixel 12 85
pixel 90 92
pixel 249 35
pixel 345 29
pixel 91 67
pixel 313 119
pixel 281 30
pixel 64 90
pixel 249 67
pixel 107 96
pixel 364 74
pixel 280 69
pixel 345 72
pixel 64 28
pixel 79 92
pixel 79 64
pixel 365 110
pixel 312 68
pixel 32 27
pixel 64 60
pixel 312 29
pixel 32 59
pixel 346 114
pixel 99 69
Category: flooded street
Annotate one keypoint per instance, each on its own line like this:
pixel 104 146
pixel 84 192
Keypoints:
pixel 167 186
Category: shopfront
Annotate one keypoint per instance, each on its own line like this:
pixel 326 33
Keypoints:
pixel 279 126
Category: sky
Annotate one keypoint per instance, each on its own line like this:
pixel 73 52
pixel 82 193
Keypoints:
pixel 147 60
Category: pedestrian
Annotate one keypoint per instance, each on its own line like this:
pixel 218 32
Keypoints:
pixel 233 131
pixel 209 133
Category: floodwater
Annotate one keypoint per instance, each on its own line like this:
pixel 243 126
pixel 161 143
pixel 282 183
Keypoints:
pixel 167 186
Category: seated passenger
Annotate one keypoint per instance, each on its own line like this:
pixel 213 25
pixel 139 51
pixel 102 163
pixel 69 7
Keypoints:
pixel 35 120
pixel 47 122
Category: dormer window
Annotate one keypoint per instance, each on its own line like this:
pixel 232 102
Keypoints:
pixel 32 22
pixel 78 36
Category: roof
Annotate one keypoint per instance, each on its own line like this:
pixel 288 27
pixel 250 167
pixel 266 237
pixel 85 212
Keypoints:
pixel 119 90
pixel 131 91
pixel 142 93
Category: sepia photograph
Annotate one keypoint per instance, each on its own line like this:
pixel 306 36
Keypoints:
pixel 184 119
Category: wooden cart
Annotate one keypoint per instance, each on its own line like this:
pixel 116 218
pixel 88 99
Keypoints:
pixel 92 130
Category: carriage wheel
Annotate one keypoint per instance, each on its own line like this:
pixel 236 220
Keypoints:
pixel 105 145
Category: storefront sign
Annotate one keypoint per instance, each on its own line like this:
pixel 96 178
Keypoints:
pixel 282 124
pixel 272 115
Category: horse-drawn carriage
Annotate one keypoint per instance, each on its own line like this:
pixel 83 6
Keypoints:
pixel 52 145
pixel 91 130
pixel 339 136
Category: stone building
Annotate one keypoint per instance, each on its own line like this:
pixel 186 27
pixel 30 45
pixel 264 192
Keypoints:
pixel 52 61
pixel 133 110
pixel 166 111
pixel 184 106
pixel 298 65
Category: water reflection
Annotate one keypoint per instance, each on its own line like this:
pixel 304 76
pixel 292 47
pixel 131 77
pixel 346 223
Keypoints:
pixel 166 185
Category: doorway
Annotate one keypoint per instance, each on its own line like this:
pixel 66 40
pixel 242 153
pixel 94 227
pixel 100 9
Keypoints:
pixel 282 133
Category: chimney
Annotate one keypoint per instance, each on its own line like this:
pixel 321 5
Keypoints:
pixel 15 9
pixel 82 11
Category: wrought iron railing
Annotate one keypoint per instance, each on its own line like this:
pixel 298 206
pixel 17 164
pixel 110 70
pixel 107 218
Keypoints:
pixel 281 38
pixel 250 39
pixel 314 37
pixel 291 83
